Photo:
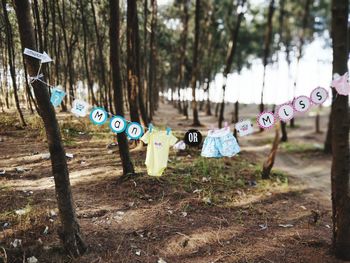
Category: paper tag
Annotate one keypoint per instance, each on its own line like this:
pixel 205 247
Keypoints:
pixel 57 96
pixel 244 128
pixel 79 108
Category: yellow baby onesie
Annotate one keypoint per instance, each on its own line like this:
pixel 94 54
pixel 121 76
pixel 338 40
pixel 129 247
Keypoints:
pixel 159 143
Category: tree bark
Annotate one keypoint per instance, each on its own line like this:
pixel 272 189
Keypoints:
pixel 229 60
pixel 340 135
pixel 70 231
pixel 101 60
pixel 132 76
pixel 152 61
pixel 182 56
pixel 114 29
pixel 194 74
pixel 308 4
pixel 85 55
pixel 284 137
pixel 267 44
pixel 268 164
pixel 12 62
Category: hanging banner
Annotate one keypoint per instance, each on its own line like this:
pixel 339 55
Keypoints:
pixel 134 131
pixel 266 120
pixel 117 124
pixel 319 96
pixel 285 112
pixel 302 104
pixel 98 116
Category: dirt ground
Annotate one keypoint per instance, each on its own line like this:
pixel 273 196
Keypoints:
pixel 200 211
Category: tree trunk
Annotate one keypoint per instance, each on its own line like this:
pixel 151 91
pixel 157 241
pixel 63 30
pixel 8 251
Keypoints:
pixel 284 137
pixel 235 118
pixel 317 120
pixel 194 74
pixel 267 44
pixel 145 60
pixel 152 60
pixel 229 60
pixel 101 60
pixel 70 231
pixel 268 164
pixel 114 29
pixel 12 62
pixel 328 141
pixel 85 55
pixel 208 104
pixel 140 86
pixel 132 76
pixel 306 16
pixel 340 135
pixel 182 55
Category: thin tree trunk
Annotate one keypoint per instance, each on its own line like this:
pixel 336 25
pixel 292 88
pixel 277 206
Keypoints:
pixel 208 104
pixel 195 66
pixel 101 59
pixel 317 120
pixel 70 231
pixel 132 77
pixel 308 4
pixel 145 60
pixel 85 49
pixel 284 137
pixel 152 61
pixel 229 60
pixel 182 55
pixel 267 44
pixel 12 62
pixel 69 49
pixel 268 164
pixel 114 29
pixel 142 107
pixel 340 135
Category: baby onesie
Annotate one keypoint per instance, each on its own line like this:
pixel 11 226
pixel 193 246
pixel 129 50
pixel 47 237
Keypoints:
pixel 220 143
pixel 159 143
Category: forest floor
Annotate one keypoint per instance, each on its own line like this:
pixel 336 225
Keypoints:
pixel 201 210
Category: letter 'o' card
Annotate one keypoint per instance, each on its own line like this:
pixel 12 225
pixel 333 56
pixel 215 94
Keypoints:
pixel 244 128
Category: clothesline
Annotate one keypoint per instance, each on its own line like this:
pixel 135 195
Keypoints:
pixel 37 78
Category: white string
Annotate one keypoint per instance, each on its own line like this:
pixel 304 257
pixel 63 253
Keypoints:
pixel 109 113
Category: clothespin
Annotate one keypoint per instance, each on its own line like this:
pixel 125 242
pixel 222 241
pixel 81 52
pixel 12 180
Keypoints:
pixel 150 127
pixel 168 130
